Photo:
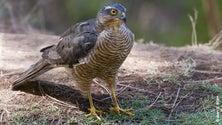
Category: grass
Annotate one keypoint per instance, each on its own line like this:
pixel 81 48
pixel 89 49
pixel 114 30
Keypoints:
pixel 204 114
pixel 34 111
pixel 20 118
pixel 157 114
pixel 164 107
pixel 193 20
pixel 214 88
pixel 38 114
pixel 200 118
pixel 187 66
pixel 171 78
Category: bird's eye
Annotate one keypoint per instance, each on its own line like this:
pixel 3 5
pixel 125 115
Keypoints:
pixel 113 12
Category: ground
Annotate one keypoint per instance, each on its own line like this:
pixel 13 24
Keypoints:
pixel 164 85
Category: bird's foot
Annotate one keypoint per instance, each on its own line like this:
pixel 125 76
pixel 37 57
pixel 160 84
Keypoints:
pixel 94 113
pixel 125 111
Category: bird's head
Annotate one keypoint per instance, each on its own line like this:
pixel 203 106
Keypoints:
pixel 112 15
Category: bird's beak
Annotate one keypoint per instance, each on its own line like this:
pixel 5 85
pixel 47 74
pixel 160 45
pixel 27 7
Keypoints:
pixel 123 17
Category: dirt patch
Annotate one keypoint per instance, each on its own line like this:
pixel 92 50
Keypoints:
pixel 151 70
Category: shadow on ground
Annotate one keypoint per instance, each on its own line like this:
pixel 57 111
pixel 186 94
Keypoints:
pixel 63 93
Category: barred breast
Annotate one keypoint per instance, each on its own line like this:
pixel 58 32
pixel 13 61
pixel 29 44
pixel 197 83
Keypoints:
pixel 111 49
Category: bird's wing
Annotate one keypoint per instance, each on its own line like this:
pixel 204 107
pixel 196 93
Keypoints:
pixel 75 43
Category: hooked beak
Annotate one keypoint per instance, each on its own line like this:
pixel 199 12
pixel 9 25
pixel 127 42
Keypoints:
pixel 123 17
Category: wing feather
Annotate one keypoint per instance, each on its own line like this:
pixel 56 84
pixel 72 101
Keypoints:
pixel 75 43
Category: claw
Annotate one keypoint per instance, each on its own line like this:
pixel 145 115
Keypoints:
pixel 125 111
pixel 92 109
pixel 94 112
pixel 116 107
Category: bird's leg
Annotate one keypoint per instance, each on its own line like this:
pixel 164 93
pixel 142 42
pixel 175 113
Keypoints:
pixel 116 107
pixel 92 109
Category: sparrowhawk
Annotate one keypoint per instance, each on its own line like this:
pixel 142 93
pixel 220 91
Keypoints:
pixel 95 48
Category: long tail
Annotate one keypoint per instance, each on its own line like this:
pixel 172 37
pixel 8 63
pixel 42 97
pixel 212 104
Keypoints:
pixel 33 71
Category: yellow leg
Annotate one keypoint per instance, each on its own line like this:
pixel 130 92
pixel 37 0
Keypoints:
pixel 92 109
pixel 116 107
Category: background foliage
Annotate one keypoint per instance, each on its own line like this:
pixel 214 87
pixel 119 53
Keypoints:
pixel 161 21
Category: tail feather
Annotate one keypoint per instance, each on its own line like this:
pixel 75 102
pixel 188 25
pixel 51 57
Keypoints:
pixel 33 71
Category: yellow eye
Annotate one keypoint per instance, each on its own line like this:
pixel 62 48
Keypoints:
pixel 113 12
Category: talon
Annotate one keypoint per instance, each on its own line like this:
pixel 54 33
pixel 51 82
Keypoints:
pixel 125 111
pixel 128 110
pixel 115 110
pixel 93 112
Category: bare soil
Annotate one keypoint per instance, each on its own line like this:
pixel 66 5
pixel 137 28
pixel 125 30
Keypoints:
pixel 150 70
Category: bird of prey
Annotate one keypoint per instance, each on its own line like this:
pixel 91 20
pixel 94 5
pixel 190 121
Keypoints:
pixel 95 48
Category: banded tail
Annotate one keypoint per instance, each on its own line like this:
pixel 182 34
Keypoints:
pixel 33 71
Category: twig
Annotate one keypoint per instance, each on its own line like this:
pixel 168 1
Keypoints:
pixel 173 120
pixel 121 91
pixel 95 81
pixel 102 86
pixel 174 103
pixel 207 80
pixel 151 105
pixel 2 115
pixel 218 66
pixel 216 40
pixel 207 72
pixel 61 102
pixel 54 99
pixel 193 22
pixel 140 90
pixel 155 100
pixel 217 109
pixel 41 90
pixel 205 113
pixel 126 81
pixel 178 92
pixel 101 100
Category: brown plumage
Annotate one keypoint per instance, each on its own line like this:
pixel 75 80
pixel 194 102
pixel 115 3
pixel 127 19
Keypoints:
pixel 92 49
pixel 74 44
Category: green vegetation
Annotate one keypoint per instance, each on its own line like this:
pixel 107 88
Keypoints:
pixel 164 22
pixel 172 103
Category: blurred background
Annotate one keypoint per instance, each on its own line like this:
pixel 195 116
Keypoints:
pixel 161 21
